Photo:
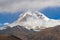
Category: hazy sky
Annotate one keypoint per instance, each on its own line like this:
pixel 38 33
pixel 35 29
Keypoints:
pixel 10 9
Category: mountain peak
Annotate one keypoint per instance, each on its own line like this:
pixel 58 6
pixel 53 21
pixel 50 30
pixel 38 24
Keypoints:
pixel 34 20
pixel 31 20
pixel 35 14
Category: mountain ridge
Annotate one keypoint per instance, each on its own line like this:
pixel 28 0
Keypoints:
pixel 34 20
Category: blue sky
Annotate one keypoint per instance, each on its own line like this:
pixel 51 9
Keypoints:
pixel 11 9
pixel 6 17
pixel 53 12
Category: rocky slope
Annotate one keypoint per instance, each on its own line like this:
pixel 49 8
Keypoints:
pixel 17 31
pixel 8 37
pixel 20 32
pixel 48 34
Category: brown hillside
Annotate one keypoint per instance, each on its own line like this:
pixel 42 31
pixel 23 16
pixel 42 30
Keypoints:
pixel 8 37
pixel 48 34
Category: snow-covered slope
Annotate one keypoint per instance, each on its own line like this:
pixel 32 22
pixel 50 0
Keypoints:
pixel 35 20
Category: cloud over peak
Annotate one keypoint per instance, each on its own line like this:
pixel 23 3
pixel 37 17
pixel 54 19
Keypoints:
pixel 15 5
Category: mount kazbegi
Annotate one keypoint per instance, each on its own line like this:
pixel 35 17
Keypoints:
pixel 35 20
pixel 31 25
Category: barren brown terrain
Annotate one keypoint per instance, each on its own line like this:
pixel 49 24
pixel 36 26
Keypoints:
pixel 48 34
pixel 8 37
pixel 52 33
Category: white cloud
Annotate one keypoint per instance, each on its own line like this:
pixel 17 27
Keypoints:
pixel 15 5
pixel 6 24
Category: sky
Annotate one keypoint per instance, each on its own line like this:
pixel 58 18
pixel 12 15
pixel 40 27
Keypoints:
pixel 52 13
pixel 10 10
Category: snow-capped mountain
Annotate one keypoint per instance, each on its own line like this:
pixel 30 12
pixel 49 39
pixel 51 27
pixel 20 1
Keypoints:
pixel 35 20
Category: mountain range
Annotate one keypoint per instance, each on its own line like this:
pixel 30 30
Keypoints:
pixel 35 20
pixel 33 25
